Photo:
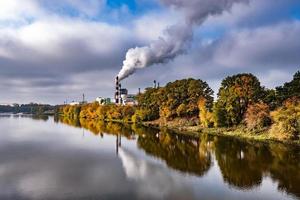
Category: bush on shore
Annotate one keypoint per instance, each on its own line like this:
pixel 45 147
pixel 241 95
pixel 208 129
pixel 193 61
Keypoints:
pixel 286 120
pixel 257 116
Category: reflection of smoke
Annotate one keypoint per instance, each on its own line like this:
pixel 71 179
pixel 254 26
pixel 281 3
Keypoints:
pixel 152 179
pixel 176 38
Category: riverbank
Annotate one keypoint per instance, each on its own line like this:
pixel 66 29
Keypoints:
pixel 239 132
pixel 189 126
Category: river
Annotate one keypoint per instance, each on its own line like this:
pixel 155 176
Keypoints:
pixel 47 158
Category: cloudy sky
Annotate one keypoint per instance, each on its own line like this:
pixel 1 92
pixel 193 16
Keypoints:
pixel 55 50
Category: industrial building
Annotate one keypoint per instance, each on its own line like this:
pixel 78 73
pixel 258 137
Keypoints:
pixel 121 95
pixel 104 101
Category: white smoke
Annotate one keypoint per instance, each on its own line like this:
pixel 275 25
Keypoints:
pixel 177 38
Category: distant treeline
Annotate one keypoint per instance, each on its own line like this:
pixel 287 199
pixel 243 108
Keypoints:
pixel 31 108
pixel 242 101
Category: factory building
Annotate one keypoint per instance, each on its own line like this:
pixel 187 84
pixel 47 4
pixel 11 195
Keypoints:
pixel 130 100
pixel 74 103
pixel 104 101
pixel 121 95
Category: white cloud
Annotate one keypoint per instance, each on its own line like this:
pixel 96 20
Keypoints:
pixel 254 13
pixel 18 10
pixel 45 56
pixel 50 36
pixel 271 46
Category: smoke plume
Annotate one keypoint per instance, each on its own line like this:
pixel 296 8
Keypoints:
pixel 177 38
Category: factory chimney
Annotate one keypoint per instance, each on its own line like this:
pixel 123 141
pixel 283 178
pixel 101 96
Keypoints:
pixel 120 94
pixel 154 83
pixel 117 93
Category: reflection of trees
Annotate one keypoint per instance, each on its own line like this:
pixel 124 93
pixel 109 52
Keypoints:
pixel 179 152
pixel 99 127
pixel 34 117
pixel 243 164
pixel 286 168
pixel 40 117
pixel 69 121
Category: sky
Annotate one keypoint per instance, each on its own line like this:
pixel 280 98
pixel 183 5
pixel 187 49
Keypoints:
pixel 53 51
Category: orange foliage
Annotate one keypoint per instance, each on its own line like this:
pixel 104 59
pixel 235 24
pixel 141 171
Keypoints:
pixel 257 116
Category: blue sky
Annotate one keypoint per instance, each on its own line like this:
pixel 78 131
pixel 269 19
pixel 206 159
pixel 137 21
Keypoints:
pixel 51 51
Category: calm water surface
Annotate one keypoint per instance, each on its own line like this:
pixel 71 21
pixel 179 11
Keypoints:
pixel 63 159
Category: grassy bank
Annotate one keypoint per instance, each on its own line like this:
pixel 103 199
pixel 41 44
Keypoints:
pixel 239 132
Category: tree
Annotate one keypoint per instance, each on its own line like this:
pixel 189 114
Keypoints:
pixel 205 116
pixel 269 97
pixel 127 113
pixel 289 89
pixel 141 115
pixel 286 120
pixel 102 111
pixel 219 115
pixel 148 101
pixel 177 99
pixel 181 109
pixel 234 96
pixel 184 94
pixel 258 116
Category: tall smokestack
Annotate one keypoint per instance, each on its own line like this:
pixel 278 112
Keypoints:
pixel 117 92
pixel 120 95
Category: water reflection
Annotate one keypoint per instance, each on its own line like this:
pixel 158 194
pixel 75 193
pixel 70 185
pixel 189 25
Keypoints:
pixel 153 180
pixel 21 115
pixel 243 165
pixel 182 153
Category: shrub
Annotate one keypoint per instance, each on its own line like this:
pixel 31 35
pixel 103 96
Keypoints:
pixel 287 120
pixel 205 116
pixel 102 111
pixel 141 115
pixel 165 113
pixel 257 116
pixel 127 113
pixel 181 110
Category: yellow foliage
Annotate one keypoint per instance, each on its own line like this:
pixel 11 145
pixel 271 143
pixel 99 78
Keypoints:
pixel 287 120
pixel 205 116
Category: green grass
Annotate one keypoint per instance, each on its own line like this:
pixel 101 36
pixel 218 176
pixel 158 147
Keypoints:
pixel 240 132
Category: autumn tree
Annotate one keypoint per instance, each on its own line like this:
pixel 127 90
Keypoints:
pixel 127 113
pixel 148 102
pixel 289 89
pixel 286 120
pixel 102 111
pixel 205 114
pixel 234 96
pixel 258 116
pixel 269 98
pixel 180 98
pixel 177 99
